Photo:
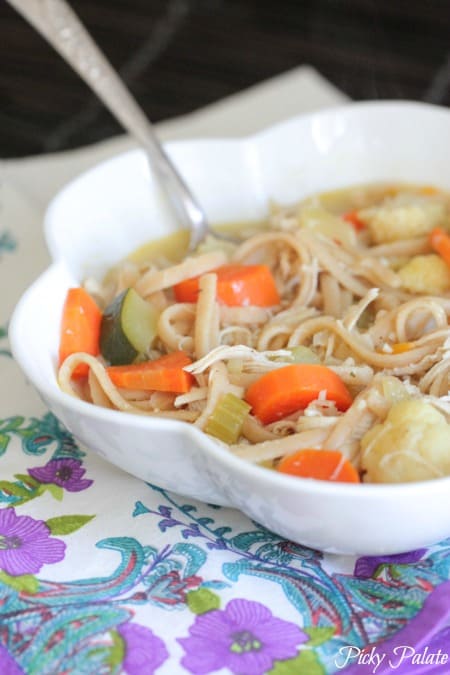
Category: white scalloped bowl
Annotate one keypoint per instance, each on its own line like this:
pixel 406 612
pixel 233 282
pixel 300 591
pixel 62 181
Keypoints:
pixel 114 208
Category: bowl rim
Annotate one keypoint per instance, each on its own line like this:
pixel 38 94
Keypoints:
pixel 51 390
pixel 349 108
pixel 366 491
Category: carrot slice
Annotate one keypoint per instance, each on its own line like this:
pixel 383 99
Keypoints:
pixel 80 328
pixel 290 388
pixel 237 285
pixel 353 218
pixel 320 464
pixel 163 374
pixel 440 242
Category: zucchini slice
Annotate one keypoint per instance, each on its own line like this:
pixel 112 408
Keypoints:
pixel 128 328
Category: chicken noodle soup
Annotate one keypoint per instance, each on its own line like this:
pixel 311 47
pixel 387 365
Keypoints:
pixel 318 346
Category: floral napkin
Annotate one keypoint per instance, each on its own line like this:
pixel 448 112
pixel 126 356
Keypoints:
pixel 102 573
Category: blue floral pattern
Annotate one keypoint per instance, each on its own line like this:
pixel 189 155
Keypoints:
pixel 8 243
pixel 197 569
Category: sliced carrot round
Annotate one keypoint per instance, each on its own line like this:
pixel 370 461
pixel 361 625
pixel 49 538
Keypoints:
pixel 328 465
pixel 237 285
pixel 290 388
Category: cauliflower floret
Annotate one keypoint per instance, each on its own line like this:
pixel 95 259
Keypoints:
pixel 319 220
pixel 425 274
pixel 412 444
pixel 403 216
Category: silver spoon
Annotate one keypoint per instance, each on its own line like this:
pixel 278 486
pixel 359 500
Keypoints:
pixel 60 26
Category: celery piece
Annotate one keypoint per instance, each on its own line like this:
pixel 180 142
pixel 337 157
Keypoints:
pixel 268 464
pixel 227 418
pixel 303 354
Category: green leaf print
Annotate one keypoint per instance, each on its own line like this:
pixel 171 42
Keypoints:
pixel 4 440
pixel 306 663
pixel 14 489
pixel 27 480
pixel 202 600
pixel 67 524
pixel 26 583
pixel 117 652
pixel 56 491
pixel 319 634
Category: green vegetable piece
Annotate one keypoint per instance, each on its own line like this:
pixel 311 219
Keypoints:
pixel 303 354
pixel 128 328
pixel 227 418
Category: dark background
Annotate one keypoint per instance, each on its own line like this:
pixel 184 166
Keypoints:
pixel 178 55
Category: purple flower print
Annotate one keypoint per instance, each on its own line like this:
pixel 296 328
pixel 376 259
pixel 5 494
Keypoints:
pixel 144 651
pixel 26 544
pixel 67 473
pixel 366 566
pixel 8 666
pixel 245 637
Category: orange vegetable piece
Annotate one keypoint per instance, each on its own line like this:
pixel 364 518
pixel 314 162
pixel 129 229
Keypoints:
pixel 80 328
pixel 290 388
pixel 429 190
pixel 163 374
pixel 440 242
pixel 401 347
pixel 353 218
pixel 237 285
pixel 320 464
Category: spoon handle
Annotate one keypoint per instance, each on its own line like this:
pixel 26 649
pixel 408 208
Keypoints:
pixel 60 26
